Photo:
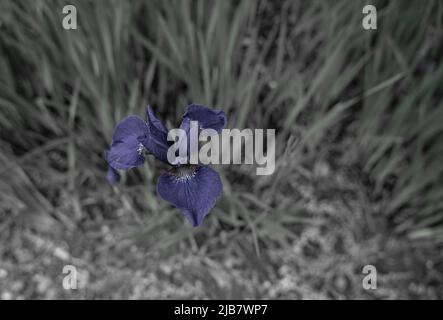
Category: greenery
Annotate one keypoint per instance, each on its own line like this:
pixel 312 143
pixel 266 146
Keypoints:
pixel 359 148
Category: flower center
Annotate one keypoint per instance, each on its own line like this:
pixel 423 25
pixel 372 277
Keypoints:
pixel 140 148
pixel 184 173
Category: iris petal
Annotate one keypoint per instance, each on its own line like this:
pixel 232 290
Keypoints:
pixel 157 139
pixel 194 192
pixel 156 126
pixel 113 176
pixel 125 152
pixel 131 126
pixel 207 117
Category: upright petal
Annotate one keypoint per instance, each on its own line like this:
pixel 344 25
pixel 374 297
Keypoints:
pixel 193 189
pixel 157 140
pixel 154 123
pixel 207 117
pixel 126 148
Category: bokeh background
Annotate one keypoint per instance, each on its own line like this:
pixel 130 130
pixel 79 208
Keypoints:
pixel 359 149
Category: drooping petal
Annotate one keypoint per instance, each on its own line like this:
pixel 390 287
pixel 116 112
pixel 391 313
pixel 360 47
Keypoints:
pixel 126 148
pixel 125 155
pixel 193 189
pixel 157 140
pixel 113 176
pixel 207 117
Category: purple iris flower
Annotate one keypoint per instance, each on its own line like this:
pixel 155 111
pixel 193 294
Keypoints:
pixel 194 189
pixel 113 176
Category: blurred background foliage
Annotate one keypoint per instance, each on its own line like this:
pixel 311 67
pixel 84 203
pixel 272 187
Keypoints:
pixel 359 148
